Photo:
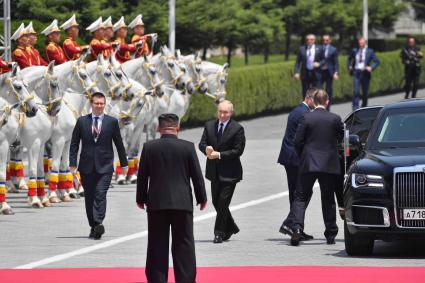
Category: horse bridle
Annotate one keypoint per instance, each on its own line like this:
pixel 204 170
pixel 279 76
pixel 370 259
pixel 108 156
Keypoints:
pixel 154 86
pixel 50 102
pixel 23 104
pixel 112 89
pixel 175 79
pixel 87 90
pixel 7 110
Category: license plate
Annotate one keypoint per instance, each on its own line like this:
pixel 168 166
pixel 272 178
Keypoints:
pixel 413 214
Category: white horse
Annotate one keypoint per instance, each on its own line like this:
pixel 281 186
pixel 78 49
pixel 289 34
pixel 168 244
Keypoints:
pixel 34 132
pixel 216 76
pixel 9 129
pixel 77 88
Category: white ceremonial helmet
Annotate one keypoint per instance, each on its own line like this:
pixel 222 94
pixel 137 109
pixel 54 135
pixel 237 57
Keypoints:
pixel 119 24
pixel 108 23
pixel 53 27
pixel 19 32
pixel 71 22
pixel 98 24
pixel 137 21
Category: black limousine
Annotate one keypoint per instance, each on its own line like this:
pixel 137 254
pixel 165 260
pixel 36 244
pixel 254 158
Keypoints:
pixel 384 187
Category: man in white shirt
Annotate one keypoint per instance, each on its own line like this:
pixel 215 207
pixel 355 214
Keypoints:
pixel 361 62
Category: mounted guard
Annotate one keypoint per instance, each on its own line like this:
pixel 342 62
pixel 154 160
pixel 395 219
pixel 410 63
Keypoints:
pixel 21 54
pixel 36 58
pixel 125 51
pixel 139 35
pixel 70 46
pixel 98 45
pixel 53 50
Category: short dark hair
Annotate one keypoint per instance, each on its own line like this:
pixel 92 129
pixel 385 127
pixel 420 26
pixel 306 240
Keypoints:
pixel 311 92
pixel 168 120
pixel 320 97
pixel 97 94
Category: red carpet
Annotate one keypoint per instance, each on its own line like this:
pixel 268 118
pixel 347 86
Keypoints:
pixel 246 274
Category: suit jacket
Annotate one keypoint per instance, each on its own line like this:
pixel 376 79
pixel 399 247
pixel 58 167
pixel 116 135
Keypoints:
pixel 288 155
pixel 96 156
pixel 231 147
pixel 166 167
pixel 316 141
pixel 331 63
pixel 301 62
pixel 370 59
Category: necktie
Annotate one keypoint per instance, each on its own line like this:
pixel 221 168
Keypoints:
pixel 96 127
pixel 220 132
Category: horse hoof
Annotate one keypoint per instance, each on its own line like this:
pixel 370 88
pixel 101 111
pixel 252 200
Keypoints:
pixel 7 211
pixel 66 198
pixel 37 205
pixel 81 194
pixel 121 182
pixel 54 200
pixel 46 203
pixel 74 196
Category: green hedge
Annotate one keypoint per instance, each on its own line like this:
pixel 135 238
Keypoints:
pixel 264 89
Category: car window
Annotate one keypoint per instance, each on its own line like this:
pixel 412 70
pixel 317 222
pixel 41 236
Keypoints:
pixel 362 122
pixel 403 129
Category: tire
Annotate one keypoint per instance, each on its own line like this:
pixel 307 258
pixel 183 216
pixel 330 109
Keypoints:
pixel 357 245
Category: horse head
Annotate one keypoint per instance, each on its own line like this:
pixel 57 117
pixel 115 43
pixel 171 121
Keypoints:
pixel 106 79
pixel 17 93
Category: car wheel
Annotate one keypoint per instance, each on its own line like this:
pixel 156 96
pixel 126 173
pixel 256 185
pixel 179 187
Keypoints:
pixel 357 245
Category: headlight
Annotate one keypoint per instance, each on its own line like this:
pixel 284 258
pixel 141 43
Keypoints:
pixel 367 181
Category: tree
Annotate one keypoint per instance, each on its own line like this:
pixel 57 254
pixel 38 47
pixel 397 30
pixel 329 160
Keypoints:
pixel 419 7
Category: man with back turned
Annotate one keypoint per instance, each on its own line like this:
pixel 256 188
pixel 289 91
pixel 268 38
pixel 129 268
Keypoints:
pixel 163 185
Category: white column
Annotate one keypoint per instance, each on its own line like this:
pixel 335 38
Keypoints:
pixel 172 25
pixel 365 19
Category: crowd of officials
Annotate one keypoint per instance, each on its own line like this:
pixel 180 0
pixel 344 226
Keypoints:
pixel 309 153
pixel 318 66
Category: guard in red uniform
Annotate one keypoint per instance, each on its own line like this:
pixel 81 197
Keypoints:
pixel 36 58
pixel 53 50
pixel 21 55
pixel 98 44
pixel 70 47
pixel 139 35
pixel 125 51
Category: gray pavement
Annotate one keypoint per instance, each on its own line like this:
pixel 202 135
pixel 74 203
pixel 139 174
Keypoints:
pixel 61 231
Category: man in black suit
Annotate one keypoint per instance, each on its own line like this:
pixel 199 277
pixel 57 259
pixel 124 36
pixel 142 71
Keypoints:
pixel 288 157
pixel 316 142
pixel 330 67
pixel 166 167
pixel 223 141
pixel 96 131
pixel 307 66
pixel 411 56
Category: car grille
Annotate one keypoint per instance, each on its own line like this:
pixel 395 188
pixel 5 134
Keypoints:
pixel 409 192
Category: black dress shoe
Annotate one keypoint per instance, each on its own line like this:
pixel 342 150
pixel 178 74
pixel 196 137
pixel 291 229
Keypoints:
pixel 306 237
pixel 99 230
pixel 296 237
pixel 91 233
pixel 227 236
pixel 330 240
pixel 285 230
pixel 218 239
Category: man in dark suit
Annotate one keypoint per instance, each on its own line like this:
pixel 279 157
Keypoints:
pixel 411 56
pixel 288 156
pixel 361 63
pixel 330 67
pixel 316 143
pixel 166 167
pixel 223 141
pixel 307 66
pixel 96 131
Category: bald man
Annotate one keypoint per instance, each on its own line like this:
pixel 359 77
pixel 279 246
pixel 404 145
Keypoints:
pixel 223 142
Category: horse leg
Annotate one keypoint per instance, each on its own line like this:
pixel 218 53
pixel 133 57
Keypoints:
pixel 4 207
pixel 64 167
pixel 33 155
pixel 41 183
pixel 17 169
pixel 54 172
